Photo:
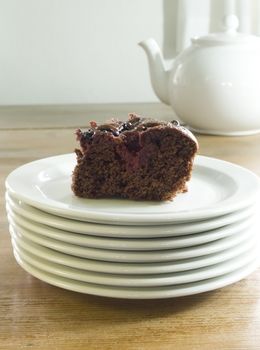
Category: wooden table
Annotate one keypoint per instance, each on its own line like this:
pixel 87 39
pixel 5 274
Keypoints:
pixel 35 315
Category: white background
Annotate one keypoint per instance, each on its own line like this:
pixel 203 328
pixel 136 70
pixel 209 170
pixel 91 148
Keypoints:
pixel 85 51
pixel 76 51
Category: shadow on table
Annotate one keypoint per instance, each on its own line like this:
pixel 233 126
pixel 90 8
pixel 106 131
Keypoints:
pixel 151 308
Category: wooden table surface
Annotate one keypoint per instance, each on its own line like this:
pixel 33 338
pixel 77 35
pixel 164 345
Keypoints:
pixel 35 315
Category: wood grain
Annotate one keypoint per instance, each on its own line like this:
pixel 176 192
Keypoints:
pixel 35 315
pixel 64 116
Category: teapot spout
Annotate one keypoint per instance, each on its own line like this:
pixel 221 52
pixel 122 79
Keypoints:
pixel 158 72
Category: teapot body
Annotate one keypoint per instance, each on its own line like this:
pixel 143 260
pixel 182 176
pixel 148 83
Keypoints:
pixel 215 89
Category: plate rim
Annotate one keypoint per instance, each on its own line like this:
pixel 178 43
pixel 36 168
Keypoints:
pixel 88 215
pixel 164 267
pixel 152 280
pixel 129 244
pixel 137 256
pixel 130 229
pixel 151 293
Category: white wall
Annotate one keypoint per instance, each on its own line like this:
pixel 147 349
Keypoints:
pixel 76 51
pixel 85 51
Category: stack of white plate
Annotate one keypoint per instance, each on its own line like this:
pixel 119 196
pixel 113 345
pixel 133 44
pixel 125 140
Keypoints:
pixel 204 239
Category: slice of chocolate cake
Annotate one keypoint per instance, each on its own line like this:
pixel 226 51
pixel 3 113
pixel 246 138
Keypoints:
pixel 140 159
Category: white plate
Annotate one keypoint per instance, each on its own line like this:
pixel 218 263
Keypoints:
pixel 133 268
pixel 216 188
pixel 141 293
pixel 130 243
pixel 40 216
pixel 136 256
pixel 154 280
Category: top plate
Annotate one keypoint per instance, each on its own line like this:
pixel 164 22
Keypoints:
pixel 216 188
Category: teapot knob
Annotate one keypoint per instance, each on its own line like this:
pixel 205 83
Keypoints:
pixel 231 24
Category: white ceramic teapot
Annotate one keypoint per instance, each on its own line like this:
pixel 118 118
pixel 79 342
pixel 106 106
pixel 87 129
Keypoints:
pixel 213 85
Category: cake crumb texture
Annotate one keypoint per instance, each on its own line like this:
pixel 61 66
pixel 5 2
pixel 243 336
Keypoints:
pixel 140 159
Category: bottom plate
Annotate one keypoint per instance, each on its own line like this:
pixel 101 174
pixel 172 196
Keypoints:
pixel 153 280
pixel 140 293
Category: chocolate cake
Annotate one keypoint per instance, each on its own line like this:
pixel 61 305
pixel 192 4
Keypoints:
pixel 140 159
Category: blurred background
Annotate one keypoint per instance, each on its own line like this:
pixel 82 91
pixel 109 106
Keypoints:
pixel 85 51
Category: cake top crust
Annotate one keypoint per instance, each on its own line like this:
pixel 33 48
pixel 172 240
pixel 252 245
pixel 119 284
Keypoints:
pixel 135 122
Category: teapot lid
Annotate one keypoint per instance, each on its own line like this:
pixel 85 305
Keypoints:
pixel 229 36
